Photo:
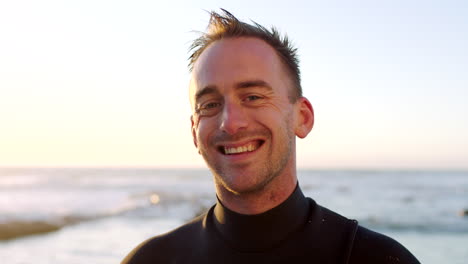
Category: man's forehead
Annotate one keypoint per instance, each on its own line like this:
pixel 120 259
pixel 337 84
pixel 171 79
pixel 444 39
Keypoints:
pixel 224 61
pixel 224 51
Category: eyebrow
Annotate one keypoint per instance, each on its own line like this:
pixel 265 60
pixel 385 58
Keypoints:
pixel 207 90
pixel 211 89
pixel 253 83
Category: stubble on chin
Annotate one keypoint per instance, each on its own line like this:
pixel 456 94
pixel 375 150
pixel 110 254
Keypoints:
pixel 244 184
pixel 239 182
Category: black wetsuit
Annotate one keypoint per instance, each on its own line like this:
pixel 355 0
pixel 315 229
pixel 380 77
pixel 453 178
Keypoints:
pixel 296 231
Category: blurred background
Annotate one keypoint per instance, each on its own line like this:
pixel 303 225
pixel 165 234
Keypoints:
pixel 95 147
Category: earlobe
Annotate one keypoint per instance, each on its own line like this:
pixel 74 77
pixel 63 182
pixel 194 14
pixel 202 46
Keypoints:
pixel 305 120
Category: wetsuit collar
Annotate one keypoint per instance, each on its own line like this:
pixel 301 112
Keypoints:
pixel 265 230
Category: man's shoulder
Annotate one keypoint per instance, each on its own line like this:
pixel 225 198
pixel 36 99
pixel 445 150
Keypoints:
pixel 363 245
pixel 165 245
pixel 375 247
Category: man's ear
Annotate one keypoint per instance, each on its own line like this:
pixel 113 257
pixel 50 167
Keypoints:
pixel 194 135
pixel 305 117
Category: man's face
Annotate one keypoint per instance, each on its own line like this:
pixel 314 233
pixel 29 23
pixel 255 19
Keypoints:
pixel 243 120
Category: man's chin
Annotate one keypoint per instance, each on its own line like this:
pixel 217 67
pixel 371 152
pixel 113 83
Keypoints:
pixel 242 184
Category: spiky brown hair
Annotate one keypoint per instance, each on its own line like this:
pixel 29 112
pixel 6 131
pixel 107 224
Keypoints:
pixel 226 25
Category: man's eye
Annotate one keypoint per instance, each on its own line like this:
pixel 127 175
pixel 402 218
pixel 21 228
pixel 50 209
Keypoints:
pixel 208 108
pixel 210 105
pixel 252 98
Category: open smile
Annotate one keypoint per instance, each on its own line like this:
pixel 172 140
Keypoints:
pixel 236 149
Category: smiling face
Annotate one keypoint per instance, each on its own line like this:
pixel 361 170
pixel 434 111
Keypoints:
pixel 243 122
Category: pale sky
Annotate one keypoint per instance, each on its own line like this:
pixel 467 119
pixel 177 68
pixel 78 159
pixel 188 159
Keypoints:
pixel 105 83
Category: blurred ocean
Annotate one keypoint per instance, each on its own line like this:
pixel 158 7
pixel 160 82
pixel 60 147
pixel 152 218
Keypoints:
pixel 98 215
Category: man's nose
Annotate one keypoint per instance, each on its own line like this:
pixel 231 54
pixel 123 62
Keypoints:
pixel 233 118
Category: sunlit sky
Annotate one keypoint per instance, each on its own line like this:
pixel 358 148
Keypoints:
pixel 105 83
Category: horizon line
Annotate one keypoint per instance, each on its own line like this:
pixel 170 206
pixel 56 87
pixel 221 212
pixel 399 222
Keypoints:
pixel 337 168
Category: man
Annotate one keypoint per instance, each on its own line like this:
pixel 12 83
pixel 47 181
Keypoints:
pixel 248 109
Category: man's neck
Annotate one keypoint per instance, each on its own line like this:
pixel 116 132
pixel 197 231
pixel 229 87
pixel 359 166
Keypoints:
pixel 273 194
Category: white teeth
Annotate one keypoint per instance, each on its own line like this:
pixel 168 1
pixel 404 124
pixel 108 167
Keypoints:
pixel 241 149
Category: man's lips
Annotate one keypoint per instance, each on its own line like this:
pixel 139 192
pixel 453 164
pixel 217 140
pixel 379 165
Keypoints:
pixel 233 149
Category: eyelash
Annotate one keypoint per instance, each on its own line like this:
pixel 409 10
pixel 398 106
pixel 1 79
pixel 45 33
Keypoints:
pixel 252 97
pixel 207 106
pixel 204 108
